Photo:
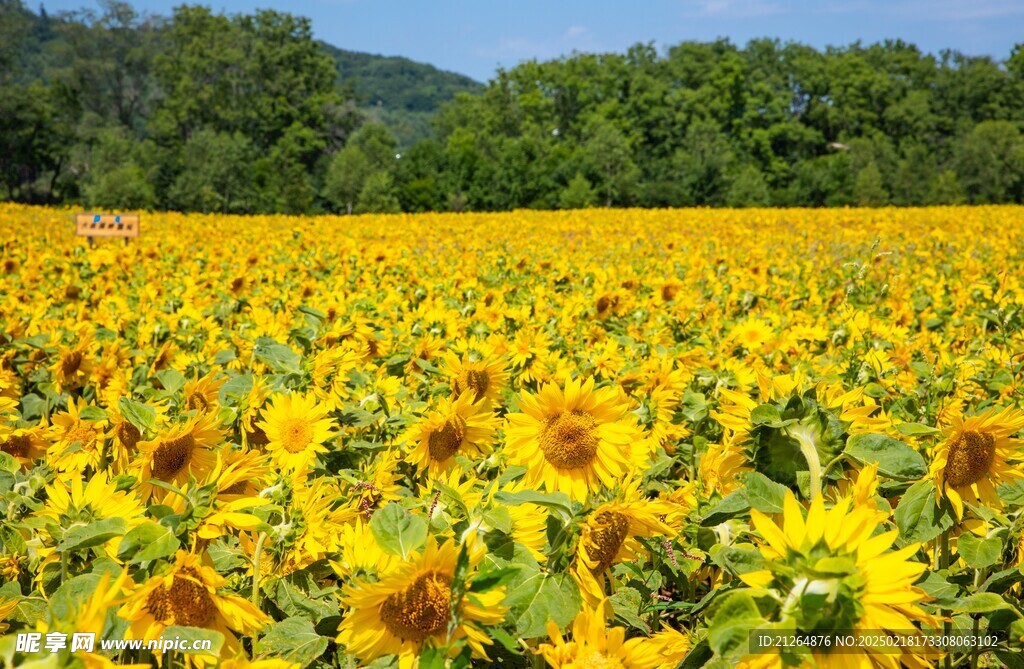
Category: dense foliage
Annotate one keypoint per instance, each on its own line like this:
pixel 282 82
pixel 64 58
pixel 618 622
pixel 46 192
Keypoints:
pixel 247 113
pixel 586 439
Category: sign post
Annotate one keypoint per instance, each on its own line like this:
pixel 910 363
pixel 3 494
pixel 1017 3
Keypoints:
pixel 106 225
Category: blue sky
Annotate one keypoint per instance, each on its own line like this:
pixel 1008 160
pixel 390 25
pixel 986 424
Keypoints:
pixel 475 38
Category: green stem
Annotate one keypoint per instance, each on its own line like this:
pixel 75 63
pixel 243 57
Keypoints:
pixel 257 554
pixel 947 624
pixel 810 454
pixel 978 575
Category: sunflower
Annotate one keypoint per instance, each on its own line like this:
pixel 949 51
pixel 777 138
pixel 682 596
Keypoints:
pixel 202 394
pixel 975 458
pixel 189 449
pixel 412 606
pixel 6 607
pixel 459 426
pixel 609 536
pixel 720 467
pixel 575 439
pixel 73 364
pixel 596 645
pixel 483 379
pixel 297 429
pixel 832 571
pixel 76 442
pixel 187 595
pixel 26 445
pixel 240 474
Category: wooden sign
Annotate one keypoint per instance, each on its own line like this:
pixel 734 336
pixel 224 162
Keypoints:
pixel 106 225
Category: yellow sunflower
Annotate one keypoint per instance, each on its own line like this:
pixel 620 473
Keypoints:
pixel 188 595
pixel 202 394
pixel 576 439
pixel 411 607
pixel 977 455
pixel 73 364
pixel 76 443
pixel 188 449
pixel 26 444
pixel 459 426
pixel 297 429
pixel 595 645
pixel 483 379
pixel 836 574
pixel 609 536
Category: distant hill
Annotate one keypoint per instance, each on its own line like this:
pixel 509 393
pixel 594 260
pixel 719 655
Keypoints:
pixel 399 92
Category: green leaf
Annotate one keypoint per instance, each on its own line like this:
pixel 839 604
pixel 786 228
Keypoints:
pixel 977 552
pixel 764 494
pixel 235 388
pixel 296 603
pixel 730 628
pixel 93 534
pixel 732 505
pixel 535 598
pixel 278 357
pixel 293 639
pixel 1012 493
pixel 138 414
pixel 626 605
pixel 556 501
pixel 918 517
pixel 895 459
pixel 12 540
pixel 397 531
pixel 148 541
pixel 499 519
pixel 915 429
pixel 93 414
pixel 982 602
pixel 765 414
pixel 171 380
pixel 194 634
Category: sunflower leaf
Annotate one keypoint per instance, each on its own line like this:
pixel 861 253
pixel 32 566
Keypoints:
pixel 535 597
pixel 917 515
pixel 293 639
pixel 146 542
pixel 397 531
pixel 138 414
pixel 977 552
pixel 93 534
pixel 556 501
pixel 895 459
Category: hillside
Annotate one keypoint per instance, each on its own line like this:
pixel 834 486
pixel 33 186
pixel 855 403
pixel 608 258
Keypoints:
pixel 398 92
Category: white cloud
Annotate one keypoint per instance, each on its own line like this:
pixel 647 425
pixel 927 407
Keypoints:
pixel 574 32
pixel 732 9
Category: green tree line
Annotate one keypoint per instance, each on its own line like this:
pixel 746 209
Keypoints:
pixel 203 111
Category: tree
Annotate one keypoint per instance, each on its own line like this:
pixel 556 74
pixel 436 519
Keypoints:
pixel 346 176
pixel 990 162
pixel 578 194
pixel 868 189
pixel 216 174
pixel 748 189
pixel 946 189
pixel 378 195
pixel 607 154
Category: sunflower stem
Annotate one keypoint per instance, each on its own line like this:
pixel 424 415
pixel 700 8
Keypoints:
pixel 257 554
pixel 810 454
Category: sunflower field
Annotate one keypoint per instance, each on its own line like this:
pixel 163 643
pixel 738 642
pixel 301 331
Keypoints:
pixel 585 439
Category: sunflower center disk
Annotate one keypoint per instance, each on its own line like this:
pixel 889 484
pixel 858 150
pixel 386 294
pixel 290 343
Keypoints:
pixel 595 659
pixel 83 434
pixel 70 364
pixel 197 401
pixel 475 380
pixel 128 434
pixel 970 458
pixel 296 435
pixel 569 440
pixel 421 610
pixel 608 537
pixel 185 603
pixel 445 442
pixel 170 457
pixel 18 446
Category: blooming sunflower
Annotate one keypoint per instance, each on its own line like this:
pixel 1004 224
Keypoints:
pixel 484 379
pixel 411 607
pixel 202 394
pixel 297 429
pixel 831 572
pixel 25 444
pixel 596 645
pixel 73 364
pixel 188 596
pixel 976 457
pixel 76 443
pixel 189 449
pixel 574 439
pixel 457 426
pixel 609 536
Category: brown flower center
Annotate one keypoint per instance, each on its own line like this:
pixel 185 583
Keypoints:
pixel 257 437
pixel 569 440
pixel 17 445
pixel 70 363
pixel 186 602
pixel 296 434
pixel 421 610
pixel 476 380
pixel 128 434
pixel 445 442
pixel 970 458
pixel 172 456
pixel 197 401
pixel 669 291
pixel 607 538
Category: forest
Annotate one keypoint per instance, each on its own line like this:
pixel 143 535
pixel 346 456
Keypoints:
pixel 249 113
